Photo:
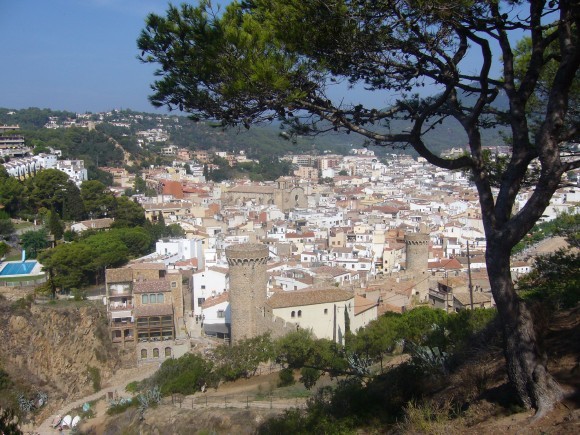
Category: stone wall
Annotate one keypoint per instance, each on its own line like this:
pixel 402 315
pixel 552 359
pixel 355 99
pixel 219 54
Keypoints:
pixel 267 322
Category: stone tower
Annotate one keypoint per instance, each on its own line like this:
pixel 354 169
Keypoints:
pixel 248 286
pixel 417 253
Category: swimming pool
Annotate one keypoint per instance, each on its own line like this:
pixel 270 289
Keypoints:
pixel 18 268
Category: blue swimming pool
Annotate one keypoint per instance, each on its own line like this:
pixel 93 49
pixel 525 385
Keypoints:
pixel 18 268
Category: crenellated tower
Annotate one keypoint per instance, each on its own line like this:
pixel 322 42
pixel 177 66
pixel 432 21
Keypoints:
pixel 417 253
pixel 248 286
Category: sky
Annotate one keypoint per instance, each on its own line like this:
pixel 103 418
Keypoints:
pixel 75 55
pixel 81 56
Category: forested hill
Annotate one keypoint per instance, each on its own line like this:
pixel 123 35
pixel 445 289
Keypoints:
pixel 258 142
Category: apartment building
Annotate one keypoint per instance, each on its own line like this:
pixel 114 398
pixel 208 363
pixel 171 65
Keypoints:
pixel 145 306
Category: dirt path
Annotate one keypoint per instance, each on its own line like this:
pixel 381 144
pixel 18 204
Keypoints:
pixel 116 384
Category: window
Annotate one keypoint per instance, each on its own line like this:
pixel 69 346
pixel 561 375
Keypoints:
pixel 152 298
pixel 155 353
pixel 173 284
pixel 160 298
pixel 200 301
pixel 144 299
pixel 299 313
pixel 143 353
pixel 326 311
pixel 167 352
pixel 203 287
pixel 293 314
pixel 221 314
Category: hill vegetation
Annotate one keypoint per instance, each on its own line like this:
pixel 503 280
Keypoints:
pixel 445 376
pixel 264 141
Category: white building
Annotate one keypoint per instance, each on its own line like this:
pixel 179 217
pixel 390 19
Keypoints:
pixel 75 169
pixel 216 316
pixel 321 311
pixel 208 283
pixel 365 311
pixel 181 249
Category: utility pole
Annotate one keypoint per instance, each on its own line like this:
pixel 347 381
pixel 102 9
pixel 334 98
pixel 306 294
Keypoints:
pixel 469 275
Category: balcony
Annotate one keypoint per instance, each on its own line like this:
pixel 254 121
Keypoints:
pixel 122 336
pixel 120 306
pixel 119 292
pixel 121 314
pixel 121 323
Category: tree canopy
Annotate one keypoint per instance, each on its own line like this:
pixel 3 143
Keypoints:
pixel 258 60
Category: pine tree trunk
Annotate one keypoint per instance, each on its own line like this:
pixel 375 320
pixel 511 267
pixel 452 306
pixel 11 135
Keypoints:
pixel 526 361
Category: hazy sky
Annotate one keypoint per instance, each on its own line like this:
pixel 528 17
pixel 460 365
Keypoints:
pixel 77 55
pixel 80 55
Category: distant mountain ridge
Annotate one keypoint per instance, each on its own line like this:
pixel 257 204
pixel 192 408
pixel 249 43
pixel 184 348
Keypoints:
pixel 258 141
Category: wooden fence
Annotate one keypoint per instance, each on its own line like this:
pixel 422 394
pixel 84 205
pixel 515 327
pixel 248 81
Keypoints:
pixel 233 401
pixel 23 283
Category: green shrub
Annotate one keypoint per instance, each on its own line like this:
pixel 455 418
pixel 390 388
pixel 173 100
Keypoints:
pixel 184 375
pixel 23 303
pixel 4 249
pixel 309 376
pixel 95 377
pixel 555 280
pixel 78 294
pixel 5 381
pixel 243 358
pixel 119 408
pixel 286 377
pixel 132 387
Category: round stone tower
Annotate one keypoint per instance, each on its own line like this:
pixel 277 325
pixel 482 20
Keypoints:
pixel 417 251
pixel 248 286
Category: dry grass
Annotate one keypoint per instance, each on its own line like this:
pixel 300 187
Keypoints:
pixel 431 417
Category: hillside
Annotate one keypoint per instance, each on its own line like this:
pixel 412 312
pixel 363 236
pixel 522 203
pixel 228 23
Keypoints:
pixel 472 399
pixel 257 142
pixel 61 349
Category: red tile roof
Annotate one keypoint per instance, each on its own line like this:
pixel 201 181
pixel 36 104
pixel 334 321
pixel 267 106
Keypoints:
pixel 154 310
pixel 308 297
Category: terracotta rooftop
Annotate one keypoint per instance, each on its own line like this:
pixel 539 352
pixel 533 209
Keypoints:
pixel 299 235
pixel 308 297
pixel 146 266
pixel 445 263
pixel 158 285
pixel 252 189
pixel 362 304
pixel 213 301
pixel 190 262
pixel 334 271
pixel 478 298
pixel 154 310
pixel 223 270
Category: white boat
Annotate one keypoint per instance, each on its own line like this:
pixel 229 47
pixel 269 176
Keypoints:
pixel 75 421
pixel 66 421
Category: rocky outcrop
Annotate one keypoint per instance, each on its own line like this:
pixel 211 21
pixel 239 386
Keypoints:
pixel 57 349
